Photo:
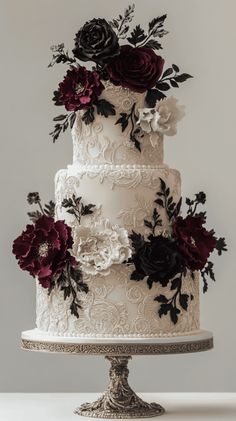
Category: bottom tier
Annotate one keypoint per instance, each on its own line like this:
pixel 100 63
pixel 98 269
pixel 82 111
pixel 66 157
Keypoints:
pixel 117 307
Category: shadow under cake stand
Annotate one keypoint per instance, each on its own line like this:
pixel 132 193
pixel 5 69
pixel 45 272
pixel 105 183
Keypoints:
pixel 119 401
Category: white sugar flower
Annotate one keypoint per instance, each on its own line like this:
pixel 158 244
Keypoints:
pixel 161 120
pixel 99 246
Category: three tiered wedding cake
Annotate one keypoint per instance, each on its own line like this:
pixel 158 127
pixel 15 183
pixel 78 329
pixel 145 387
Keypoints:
pixel 113 258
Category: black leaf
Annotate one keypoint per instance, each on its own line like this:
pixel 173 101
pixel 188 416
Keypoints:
pixel 183 300
pixel 175 283
pixel 163 185
pixel 178 207
pixel 123 121
pixel 105 108
pixel 147 224
pixel 75 274
pixel 159 202
pixel 159 21
pixel 167 72
pixel 72 119
pixel 114 24
pixel 67 203
pixel 82 287
pixel 137 240
pixel 221 245
pixel 188 201
pixel 161 299
pixel 87 209
pixel 174 311
pixel 66 290
pixel 74 309
pixel 88 116
pixel 34 216
pixel 71 211
pixel 167 191
pixel 136 36
pixel 152 96
pixel 164 309
pixel 163 86
pixel 182 78
pixel 175 68
pixel 149 282
pixel 49 209
pixel 152 43
pixel 173 83
pixel 136 276
pixel 60 117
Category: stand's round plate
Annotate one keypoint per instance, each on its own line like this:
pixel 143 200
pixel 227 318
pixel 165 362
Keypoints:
pixel 34 340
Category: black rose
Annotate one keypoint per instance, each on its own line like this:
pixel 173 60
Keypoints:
pixel 96 41
pixel 158 259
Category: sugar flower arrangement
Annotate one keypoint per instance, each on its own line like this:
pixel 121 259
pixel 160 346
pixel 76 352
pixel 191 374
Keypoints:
pixel 61 257
pixel 125 57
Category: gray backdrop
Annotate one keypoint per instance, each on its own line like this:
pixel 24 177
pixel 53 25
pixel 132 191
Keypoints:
pixel 202 42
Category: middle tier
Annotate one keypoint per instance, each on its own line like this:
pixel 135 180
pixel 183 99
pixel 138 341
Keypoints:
pixel 123 194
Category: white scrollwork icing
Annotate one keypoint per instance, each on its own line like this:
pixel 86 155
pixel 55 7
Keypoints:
pixel 116 306
pixel 102 142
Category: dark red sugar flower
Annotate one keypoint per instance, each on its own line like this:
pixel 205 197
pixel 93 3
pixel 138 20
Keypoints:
pixel 43 249
pixel 79 89
pixel 135 68
pixel 194 241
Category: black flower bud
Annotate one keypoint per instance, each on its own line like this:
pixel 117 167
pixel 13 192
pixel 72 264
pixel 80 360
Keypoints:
pixel 201 197
pixel 33 198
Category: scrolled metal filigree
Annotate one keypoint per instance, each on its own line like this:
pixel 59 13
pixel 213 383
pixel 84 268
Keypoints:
pixel 119 401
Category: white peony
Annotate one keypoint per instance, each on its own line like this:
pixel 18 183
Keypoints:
pixel 161 120
pixel 99 246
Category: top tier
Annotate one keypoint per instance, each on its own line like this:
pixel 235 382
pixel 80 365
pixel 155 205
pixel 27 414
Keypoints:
pixel 103 142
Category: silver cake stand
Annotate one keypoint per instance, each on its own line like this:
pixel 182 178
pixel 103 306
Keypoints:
pixel 119 400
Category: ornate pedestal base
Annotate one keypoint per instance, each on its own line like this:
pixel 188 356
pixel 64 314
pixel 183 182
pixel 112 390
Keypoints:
pixel 119 401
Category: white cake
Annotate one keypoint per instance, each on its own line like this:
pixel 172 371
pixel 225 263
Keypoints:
pixel 108 171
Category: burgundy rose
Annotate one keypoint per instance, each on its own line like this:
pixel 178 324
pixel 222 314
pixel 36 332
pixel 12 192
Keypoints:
pixel 43 249
pixel 194 241
pixel 79 89
pixel 135 68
